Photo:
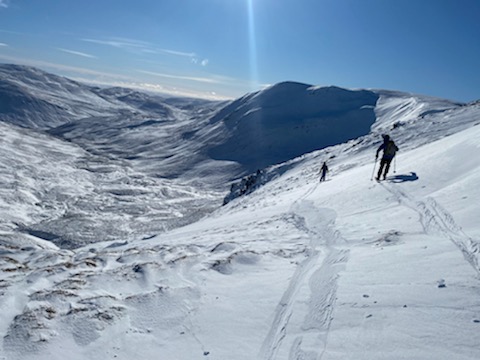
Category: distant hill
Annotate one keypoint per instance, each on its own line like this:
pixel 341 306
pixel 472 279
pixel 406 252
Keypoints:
pixel 30 97
pixel 290 119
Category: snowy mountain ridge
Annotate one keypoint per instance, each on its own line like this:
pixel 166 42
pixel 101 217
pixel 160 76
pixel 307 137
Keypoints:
pixel 170 159
pixel 108 251
pixel 36 99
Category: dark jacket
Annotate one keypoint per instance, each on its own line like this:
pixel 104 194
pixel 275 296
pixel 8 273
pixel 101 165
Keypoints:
pixel 389 149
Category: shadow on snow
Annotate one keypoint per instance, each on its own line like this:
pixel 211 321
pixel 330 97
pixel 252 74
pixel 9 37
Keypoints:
pixel 403 178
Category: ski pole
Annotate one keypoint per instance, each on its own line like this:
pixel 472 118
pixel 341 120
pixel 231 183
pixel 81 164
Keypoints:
pixel 395 165
pixel 374 166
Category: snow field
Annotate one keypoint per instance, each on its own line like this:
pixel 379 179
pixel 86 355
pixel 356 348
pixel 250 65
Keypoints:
pixel 345 269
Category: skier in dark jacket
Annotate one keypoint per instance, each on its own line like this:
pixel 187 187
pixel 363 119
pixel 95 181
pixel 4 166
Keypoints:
pixel 389 150
pixel 324 171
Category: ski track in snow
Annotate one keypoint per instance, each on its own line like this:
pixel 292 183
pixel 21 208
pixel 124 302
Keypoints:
pixel 436 219
pixel 320 271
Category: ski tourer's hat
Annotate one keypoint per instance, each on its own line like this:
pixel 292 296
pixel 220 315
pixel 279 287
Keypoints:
pixel 386 137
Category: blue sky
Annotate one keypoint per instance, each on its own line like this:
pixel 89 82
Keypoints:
pixel 231 47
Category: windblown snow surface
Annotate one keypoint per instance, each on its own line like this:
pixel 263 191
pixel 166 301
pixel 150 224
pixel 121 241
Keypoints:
pixel 97 263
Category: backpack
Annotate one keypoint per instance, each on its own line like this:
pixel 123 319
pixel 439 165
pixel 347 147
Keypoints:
pixel 390 150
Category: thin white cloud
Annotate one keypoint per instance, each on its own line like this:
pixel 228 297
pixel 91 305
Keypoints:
pixel 178 53
pixel 144 47
pixel 181 77
pixel 77 53
pixel 203 62
pixel 136 46
pixel 4 3
pixel 3 44
pixel 121 43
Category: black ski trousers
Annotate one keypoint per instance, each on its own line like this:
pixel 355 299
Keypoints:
pixel 384 165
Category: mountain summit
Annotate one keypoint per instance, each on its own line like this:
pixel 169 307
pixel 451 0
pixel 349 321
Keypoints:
pixel 290 119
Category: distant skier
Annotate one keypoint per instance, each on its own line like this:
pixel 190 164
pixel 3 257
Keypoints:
pixel 324 171
pixel 389 150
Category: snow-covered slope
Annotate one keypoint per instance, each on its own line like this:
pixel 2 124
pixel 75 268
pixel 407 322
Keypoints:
pixel 33 98
pixel 291 119
pixel 100 177
pixel 55 190
pixel 345 269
